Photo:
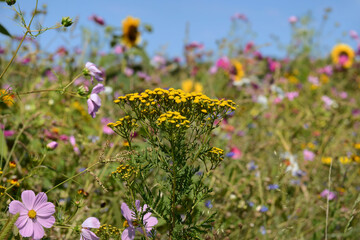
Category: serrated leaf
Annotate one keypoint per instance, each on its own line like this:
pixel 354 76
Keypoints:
pixel 3 146
pixel 4 31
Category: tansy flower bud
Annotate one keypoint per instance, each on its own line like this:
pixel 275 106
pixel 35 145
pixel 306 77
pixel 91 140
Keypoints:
pixel 66 21
pixel 52 145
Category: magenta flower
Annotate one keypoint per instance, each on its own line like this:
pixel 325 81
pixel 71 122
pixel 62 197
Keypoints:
pixel 237 154
pixel 35 214
pixel 94 101
pixel 86 234
pixel 72 141
pixel 94 72
pixel 97 19
pixel 148 221
pixel 223 63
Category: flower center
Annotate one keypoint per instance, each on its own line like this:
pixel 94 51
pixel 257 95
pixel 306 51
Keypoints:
pixel 32 214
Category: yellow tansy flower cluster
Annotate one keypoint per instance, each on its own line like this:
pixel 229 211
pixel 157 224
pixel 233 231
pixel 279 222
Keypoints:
pixel 106 230
pixel 216 155
pixel 326 160
pixel 124 126
pixel 173 119
pixel 125 172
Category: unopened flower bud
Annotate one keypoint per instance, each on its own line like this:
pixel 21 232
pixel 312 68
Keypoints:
pixel 52 145
pixel 83 90
pixel 10 2
pixel 66 21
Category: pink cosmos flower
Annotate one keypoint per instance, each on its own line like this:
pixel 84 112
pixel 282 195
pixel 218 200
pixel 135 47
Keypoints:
pixel 292 95
pixel 94 72
pixel 119 49
pixel 239 16
pixel 353 34
pixel 273 65
pixel 293 19
pixel 213 70
pixel 97 19
pixel 107 130
pixel 328 194
pixel 148 221
pixel 86 234
pixel 308 155
pixel 94 101
pixel 35 214
pixel 328 101
pixel 9 133
pixel 128 72
pixel 52 145
pixel 237 154
pixel 223 63
pixel 313 80
pixel 343 95
pixel 72 141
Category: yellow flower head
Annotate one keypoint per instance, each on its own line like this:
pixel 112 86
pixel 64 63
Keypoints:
pixel 6 97
pixel 344 160
pixel 131 35
pixel 189 86
pixel 236 70
pixel 342 54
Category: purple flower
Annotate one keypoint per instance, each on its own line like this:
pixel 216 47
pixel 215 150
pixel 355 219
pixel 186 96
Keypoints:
pixel 273 187
pixel 353 34
pixel 328 194
pixel 52 145
pixel 86 234
pixel 328 102
pixel 308 155
pixel 94 101
pixel 148 221
pixel 94 72
pixel 208 204
pixel 35 213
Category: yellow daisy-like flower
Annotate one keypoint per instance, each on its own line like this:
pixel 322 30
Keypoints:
pixel 345 160
pixel 342 54
pixel 189 86
pixel 236 70
pixel 131 35
pixel 6 97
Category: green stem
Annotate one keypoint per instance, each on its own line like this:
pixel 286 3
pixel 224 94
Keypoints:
pixel 69 84
pixel 21 42
pixel 71 177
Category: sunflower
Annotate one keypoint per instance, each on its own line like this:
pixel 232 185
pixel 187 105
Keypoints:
pixel 131 34
pixel 236 70
pixel 343 55
pixel 6 97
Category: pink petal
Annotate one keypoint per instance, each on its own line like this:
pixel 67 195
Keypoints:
pixel 28 198
pixel 91 222
pixel 88 235
pixel 96 99
pixel 46 222
pixel 126 212
pixel 45 210
pixel 90 106
pixel 137 204
pixel 21 221
pixel 28 229
pixel 38 230
pixel 17 207
pixel 40 199
pixel 128 234
pixel 152 221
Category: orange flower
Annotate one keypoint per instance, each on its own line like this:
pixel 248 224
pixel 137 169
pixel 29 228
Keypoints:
pixel 6 97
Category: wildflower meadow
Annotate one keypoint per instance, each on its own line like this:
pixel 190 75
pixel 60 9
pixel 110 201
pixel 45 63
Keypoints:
pixel 107 140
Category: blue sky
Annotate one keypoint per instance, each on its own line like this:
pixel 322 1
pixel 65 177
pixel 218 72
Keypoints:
pixel 209 20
